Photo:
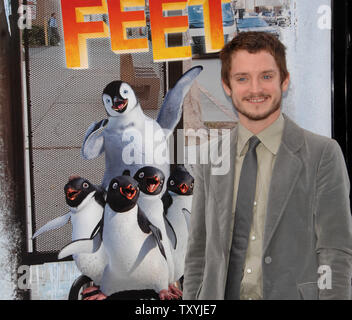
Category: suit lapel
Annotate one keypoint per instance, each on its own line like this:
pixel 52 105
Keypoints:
pixel 223 187
pixel 284 177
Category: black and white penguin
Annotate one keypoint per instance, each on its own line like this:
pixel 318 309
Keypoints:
pixel 151 181
pixel 176 199
pixel 129 138
pixel 86 202
pixel 179 191
pixel 137 259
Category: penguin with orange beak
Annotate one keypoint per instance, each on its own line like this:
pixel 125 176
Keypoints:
pixel 177 202
pixel 86 202
pixel 151 181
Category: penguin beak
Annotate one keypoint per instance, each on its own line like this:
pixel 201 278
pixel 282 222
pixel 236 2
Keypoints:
pixel 183 187
pixel 120 105
pixel 72 194
pixel 153 183
pixel 129 192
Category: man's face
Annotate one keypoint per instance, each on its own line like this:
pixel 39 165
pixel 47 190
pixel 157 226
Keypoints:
pixel 255 86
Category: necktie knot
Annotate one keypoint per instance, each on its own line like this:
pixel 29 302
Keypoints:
pixel 253 143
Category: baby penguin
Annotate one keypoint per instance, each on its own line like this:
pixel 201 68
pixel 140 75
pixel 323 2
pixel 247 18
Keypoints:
pixel 177 205
pixel 86 202
pixel 151 181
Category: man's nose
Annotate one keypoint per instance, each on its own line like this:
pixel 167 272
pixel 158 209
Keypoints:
pixel 255 85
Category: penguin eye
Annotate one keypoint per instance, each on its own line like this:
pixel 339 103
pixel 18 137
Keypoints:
pixel 125 91
pixel 192 185
pixel 85 185
pixel 172 182
pixel 108 100
pixel 141 175
pixel 115 185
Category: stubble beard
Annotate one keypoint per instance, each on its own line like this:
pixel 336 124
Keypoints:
pixel 259 116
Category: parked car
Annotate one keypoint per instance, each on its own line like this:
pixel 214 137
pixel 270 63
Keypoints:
pixel 249 23
pixel 196 26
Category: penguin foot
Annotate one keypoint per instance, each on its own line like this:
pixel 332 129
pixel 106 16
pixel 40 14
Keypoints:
pixel 93 293
pixel 89 290
pixel 175 291
pixel 99 296
pixel 166 295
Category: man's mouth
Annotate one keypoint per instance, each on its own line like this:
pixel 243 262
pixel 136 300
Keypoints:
pixel 129 192
pixel 153 184
pixel 120 105
pixel 183 187
pixel 72 194
pixel 259 99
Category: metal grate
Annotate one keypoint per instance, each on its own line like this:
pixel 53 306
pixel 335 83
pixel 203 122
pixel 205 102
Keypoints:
pixel 63 103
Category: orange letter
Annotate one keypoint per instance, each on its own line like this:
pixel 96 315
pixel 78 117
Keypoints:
pixel 214 33
pixel 76 31
pixel 120 20
pixel 162 25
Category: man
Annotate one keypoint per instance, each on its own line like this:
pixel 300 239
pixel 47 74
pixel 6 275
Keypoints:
pixel 278 225
pixel 54 37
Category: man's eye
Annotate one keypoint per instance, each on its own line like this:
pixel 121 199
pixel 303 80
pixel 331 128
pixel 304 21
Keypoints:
pixel 267 76
pixel 242 79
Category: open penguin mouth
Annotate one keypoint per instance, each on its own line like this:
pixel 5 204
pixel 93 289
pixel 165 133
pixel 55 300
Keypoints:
pixel 129 192
pixel 152 184
pixel 72 194
pixel 183 187
pixel 120 105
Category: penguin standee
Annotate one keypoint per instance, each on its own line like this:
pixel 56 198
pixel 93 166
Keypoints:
pixel 176 199
pixel 86 202
pixel 151 182
pixel 129 138
pixel 137 259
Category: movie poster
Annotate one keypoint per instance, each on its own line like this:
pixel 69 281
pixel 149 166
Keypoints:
pixel 75 48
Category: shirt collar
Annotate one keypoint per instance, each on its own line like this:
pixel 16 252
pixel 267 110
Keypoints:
pixel 270 137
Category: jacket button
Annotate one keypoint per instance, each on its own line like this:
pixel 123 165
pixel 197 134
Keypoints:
pixel 268 260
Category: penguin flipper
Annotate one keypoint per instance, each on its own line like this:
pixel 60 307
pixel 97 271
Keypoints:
pixel 147 227
pixel 93 143
pixel 53 224
pixel 157 235
pixel 187 216
pixel 171 109
pixel 81 246
pixel 167 201
pixel 98 228
pixel 171 234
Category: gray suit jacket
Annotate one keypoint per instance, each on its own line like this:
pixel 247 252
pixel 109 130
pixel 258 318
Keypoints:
pixel 308 228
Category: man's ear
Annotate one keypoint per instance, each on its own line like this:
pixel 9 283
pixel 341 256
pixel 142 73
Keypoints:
pixel 285 83
pixel 226 88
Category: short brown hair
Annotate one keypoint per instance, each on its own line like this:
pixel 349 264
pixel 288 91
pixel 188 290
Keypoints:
pixel 253 42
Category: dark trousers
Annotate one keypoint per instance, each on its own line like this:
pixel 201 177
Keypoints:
pixel 54 37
